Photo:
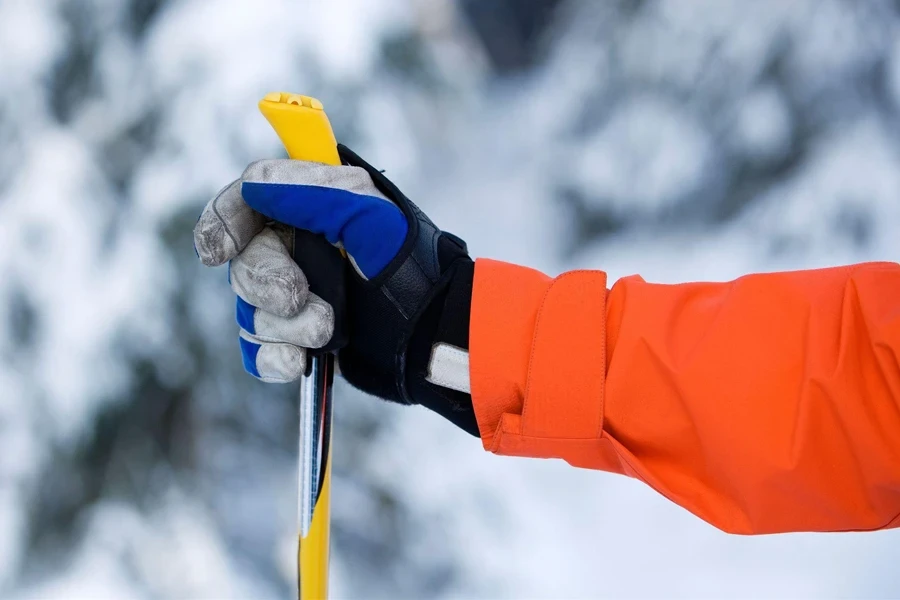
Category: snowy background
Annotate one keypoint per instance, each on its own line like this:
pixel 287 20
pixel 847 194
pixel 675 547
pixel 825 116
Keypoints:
pixel 682 140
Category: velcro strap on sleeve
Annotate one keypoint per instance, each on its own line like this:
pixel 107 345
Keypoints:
pixel 537 360
pixel 564 394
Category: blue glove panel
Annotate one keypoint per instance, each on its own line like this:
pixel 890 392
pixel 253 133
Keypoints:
pixel 244 312
pixel 249 350
pixel 371 229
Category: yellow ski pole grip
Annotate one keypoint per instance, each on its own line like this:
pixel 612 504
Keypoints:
pixel 302 125
pixel 303 128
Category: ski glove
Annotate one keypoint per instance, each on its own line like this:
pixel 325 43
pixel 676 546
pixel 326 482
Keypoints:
pixel 408 284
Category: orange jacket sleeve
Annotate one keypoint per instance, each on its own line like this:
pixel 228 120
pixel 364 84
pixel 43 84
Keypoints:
pixel 767 404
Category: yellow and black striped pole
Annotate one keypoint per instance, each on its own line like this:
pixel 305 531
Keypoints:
pixel 303 127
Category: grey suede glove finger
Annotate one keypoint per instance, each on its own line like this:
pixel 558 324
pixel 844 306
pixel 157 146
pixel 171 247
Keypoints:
pixel 266 278
pixel 279 343
pixel 265 275
pixel 226 226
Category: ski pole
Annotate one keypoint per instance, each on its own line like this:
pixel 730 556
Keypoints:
pixel 303 128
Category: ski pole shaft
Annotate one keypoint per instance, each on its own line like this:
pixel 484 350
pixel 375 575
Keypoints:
pixel 303 128
pixel 313 393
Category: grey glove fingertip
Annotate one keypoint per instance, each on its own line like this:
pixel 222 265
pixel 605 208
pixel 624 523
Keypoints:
pixel 226 226
pixel 276 362
pixel 312 327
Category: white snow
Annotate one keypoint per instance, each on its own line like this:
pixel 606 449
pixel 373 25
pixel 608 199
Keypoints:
pixel 648 157
pixel 634 112
pixel 763 125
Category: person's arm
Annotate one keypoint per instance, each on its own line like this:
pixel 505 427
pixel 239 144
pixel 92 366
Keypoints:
pixel 771 403
pixel 767 404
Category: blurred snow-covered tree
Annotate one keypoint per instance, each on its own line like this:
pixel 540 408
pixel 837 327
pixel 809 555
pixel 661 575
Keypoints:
pixel 685 139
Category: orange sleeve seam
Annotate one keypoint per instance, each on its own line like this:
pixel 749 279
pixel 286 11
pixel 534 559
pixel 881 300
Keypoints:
pixel 497 437
pixel 603 353
pixel 893 522
pixel 537 326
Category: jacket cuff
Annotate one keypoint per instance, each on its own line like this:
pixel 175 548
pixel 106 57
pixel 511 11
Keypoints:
pixel 538 360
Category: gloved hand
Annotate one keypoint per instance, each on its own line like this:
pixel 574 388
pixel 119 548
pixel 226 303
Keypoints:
pixel 409 285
